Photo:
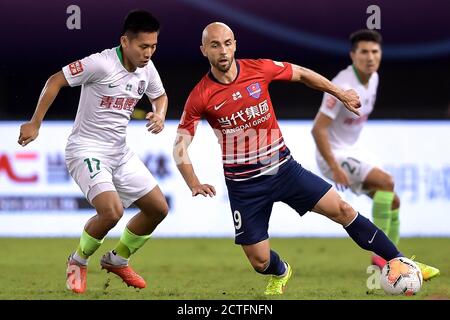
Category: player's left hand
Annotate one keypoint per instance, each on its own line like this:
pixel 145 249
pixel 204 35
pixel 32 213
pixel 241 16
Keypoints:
pixel 155 122
pixel 203 189
pixel 351 101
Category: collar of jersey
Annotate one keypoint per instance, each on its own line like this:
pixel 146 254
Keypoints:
pixel 211 76
pixel 357 74
pixel 359 78
pixel 119 55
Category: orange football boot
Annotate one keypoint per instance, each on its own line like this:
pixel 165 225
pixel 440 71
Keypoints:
pixel 124 271
pixel 76 275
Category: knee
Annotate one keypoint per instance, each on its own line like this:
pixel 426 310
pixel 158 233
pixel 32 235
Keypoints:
pixel 346 213
pixel 388 183
pixel 111 214
pixel 163 211
pixel 157 213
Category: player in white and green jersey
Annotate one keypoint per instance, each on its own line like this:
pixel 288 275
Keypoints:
pixel 336 132
pixel 110 175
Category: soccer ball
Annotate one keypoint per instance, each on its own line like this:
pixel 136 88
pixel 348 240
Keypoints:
pixel 401 276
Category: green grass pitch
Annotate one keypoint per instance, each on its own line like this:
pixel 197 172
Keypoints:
pixel 207 268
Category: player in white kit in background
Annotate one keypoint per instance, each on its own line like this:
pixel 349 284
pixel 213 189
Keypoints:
pixel 110 175
pixel 336 132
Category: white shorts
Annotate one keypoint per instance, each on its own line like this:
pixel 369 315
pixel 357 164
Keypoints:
pixel 125 173
pixel 355 165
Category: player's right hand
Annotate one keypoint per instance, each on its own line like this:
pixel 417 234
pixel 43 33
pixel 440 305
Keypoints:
pixel 28 132
pixel 351 101
pixel 203 189
pixel 340 179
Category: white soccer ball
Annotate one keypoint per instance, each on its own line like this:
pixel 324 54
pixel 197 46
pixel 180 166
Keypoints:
pixel 401 276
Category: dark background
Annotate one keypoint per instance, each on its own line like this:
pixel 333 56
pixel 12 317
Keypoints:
pixel 414 74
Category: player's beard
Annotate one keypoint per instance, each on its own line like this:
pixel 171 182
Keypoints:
pixel 225 68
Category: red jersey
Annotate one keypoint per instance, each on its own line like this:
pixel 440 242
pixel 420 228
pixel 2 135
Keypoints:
pixel 242 116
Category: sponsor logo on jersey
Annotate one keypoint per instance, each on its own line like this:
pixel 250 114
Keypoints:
pixel 254 90
pixel 141 87
pixel 76 67
pixel 118 103
pixel 237 95
pixel 217 107
pixel 252 115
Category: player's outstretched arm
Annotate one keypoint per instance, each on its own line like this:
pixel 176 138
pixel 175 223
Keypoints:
pixel 158 116
pixel 314 80
pixel 30 130
pixel 184 165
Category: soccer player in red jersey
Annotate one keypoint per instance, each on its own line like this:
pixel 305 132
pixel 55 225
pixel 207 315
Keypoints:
pixel 258 166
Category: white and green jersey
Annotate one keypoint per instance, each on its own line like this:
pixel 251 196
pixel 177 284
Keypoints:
pixel 109 94
pixel 346 127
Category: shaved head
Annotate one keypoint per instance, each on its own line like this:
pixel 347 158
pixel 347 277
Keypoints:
pixel 218 45
pixel 214 30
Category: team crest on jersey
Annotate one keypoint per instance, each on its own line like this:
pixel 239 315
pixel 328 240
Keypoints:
pixel 141 87
pixel 254 90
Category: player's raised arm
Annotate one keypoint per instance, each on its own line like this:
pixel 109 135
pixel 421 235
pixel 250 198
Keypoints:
pixel 158 116
pixel 184 165
pixel 316 81
pixel 30 130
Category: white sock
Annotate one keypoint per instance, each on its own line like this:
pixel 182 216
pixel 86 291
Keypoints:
pixel 117 259
pixel 79 259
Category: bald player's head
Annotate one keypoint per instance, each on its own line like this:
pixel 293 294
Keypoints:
pixel 218 45
pixel 214 30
